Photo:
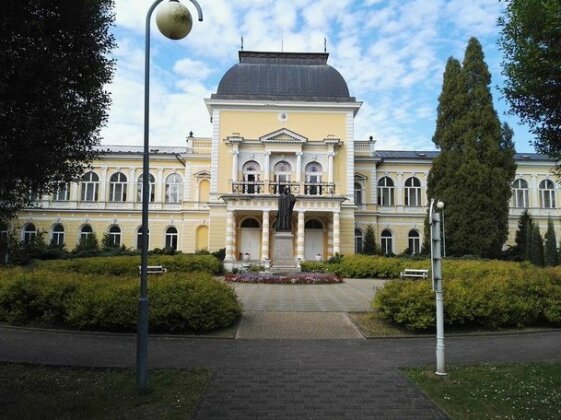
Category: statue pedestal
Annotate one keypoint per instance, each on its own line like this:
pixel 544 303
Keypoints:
pixel 283 255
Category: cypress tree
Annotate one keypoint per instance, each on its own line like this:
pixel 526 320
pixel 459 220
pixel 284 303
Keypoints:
pixel 550 245
pixel 534 249
pixel 475 169
pixel 525 222
pixel 369 245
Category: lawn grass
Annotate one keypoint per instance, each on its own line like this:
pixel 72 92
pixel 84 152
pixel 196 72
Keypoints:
pixel 35 392
pixel 509 391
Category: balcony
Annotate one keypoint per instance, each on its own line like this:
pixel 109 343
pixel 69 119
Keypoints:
pixel 308 189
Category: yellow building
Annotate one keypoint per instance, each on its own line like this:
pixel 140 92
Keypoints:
pixel 279 119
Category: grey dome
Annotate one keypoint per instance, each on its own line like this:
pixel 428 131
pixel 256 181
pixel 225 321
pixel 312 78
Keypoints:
pixel 283 76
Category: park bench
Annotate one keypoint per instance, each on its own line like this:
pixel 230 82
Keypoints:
pixel 154 269
pixel 414 273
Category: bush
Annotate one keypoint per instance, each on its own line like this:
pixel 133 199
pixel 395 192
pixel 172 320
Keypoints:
pixel 128 265
pixel 178 302
pixel 488 294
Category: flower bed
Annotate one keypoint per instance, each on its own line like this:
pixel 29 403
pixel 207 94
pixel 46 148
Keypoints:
pixel 284 278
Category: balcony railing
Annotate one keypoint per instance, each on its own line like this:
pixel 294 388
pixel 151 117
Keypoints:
pixel 275 188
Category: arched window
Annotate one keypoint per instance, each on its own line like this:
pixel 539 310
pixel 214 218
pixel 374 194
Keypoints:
pixel 250 223
pixel 139 239
pixel 282 172
pixel 174 188
pixel 85 233
pixel 152 189
pixel 251 172
pixel 313 179
pixel 547 194
pixel 171 238
pixel 414 242
pixel 62 192
pixel 387 242
pixel 57 237
pixel 412 192
pixel 90 186
pixel 358 193
pixel 29 233
pixel 520 194
pixel 385 191
pixel 358 241
pixel 115 236
pixel 118 187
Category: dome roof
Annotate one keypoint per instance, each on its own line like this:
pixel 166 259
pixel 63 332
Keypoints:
pixel 283 76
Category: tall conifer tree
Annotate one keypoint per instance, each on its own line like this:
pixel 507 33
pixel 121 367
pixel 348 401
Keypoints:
pixel 475 169
pixel 525 223
pixel 550 245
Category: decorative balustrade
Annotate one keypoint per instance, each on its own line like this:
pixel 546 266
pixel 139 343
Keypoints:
pixel 275 188
pixel 247 187
pixel 319 189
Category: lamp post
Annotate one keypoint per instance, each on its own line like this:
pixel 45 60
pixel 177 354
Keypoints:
pixel 175 22
pixel 436 262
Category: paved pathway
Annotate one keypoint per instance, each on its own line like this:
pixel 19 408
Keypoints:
pixel 293 379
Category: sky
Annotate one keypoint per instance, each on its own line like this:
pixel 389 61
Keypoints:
pixel 392 53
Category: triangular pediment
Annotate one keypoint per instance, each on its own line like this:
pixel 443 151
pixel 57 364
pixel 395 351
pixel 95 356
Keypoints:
pixel 202 174
pixel 283 136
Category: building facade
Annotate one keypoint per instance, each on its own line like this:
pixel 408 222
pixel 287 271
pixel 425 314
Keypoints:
pixel 278 120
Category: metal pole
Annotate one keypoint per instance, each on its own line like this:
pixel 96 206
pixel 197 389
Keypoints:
pixel 443 236
pixel 437 287
pixel 143 306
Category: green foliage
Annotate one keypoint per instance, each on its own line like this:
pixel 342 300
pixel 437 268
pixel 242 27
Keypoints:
pixel 87 301
pixel 369 244
pixel 534 247
pixel 550 245
pixel 525 222
pixel 128 265
pixel 87 247
pixel 530 39
pixel 54 67
pixel 488 294
pixel 473 173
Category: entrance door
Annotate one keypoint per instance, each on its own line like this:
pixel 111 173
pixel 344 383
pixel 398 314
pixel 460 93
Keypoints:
pixel 313 240
pixel 250 234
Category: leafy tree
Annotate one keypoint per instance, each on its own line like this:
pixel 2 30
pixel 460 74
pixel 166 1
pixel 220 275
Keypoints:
pixel 530 39
pixel 534 247
pixel 369 244
pixel 54 65
pixel 475 169
pixel 550 245
pixel 525 223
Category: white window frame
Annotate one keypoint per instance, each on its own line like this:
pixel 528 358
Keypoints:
pixel 412 192
pixel 171 239
pixel 89 186
pixel 62 192
pixel 28 234
pixel 115 235
pixel 520 194
pixel 386 242
pixel 85 234
pixel 118 187
pixel 547 194
pixel 152 188
pixel 57 236
pixel 359 236
pixel 174 188
pixel 414 242
pixel 386 192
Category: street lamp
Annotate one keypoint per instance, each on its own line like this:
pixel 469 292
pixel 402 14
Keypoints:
pixel 174 21
pixel 436 262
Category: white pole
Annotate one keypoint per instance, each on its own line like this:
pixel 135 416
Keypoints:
pixel 436 257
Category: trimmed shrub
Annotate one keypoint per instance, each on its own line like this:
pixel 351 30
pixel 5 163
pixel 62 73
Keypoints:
pixel 128 265
pixel 488 294
pixel 178 302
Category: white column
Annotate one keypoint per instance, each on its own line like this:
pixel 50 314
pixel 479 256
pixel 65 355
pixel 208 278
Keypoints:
pixel 299 167
pixel 399 190
pixel 229 236
pixel 535 194
pixel 300 237
pixel 336 233
pixel 131 190
pixel 159 187
pixel 265 236
pixel 103 182
pixel 330 167
pixel 267 164
pixel 74 191
pixel 330 239
pixel 235 166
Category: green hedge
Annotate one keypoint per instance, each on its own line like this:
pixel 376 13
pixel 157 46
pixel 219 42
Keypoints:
pixel 178 302
pixel 365 266
pixel 128 265
pixel 488 294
